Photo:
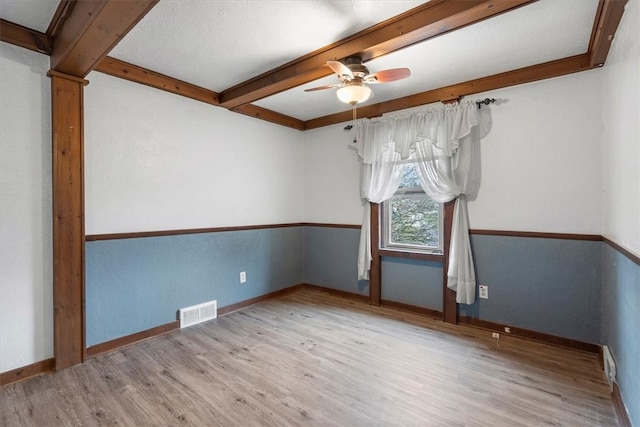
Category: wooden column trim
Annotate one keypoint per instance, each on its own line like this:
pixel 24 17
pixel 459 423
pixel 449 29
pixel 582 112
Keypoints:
pixel 449 305
pixel 68 219
pixel 375 275
pixel 52 73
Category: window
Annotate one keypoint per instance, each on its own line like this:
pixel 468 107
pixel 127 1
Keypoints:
pixel 411 220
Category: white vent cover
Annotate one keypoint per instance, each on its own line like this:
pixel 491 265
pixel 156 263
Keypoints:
pixel 198 313
pixel 609 365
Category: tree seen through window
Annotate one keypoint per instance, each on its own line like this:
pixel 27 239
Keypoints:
pixel 412 219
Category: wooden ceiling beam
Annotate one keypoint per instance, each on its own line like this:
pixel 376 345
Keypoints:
pixel 429 20
pixel 270 116
pixel 607 20
pixel 606 24
pixel 25 37
pixel 529 74
pixel 61 13
pixel 89 29
pixel 131 72
pixel 415 31
pixel 124 70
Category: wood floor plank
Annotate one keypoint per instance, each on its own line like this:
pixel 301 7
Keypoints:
pixel 315 359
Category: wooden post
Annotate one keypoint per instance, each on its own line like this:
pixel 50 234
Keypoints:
pixel 68 218
pixel 375 275
pixel 449 305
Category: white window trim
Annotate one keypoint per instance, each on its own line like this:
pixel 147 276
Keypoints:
pixel 385 241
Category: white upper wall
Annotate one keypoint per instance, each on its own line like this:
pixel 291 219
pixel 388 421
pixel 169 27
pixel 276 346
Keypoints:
pixel 26 314
pixel 157 161
pixel 541 163
pixel 620 146
pixel 541 166
pixel 332 177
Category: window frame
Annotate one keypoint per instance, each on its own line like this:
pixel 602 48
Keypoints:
pixel 449 305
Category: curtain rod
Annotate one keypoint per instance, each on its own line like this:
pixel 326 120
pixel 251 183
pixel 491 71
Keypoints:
pixel 485 101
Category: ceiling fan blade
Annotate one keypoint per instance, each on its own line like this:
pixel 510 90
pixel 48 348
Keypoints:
pixel 340 69
pixel 387 76
pixel 323 87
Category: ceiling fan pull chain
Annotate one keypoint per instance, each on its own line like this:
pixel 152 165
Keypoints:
pixel 353 123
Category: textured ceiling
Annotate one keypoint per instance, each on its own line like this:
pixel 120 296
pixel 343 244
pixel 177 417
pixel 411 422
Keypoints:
pixel 218 44
pixel 527 36
pixel 34 14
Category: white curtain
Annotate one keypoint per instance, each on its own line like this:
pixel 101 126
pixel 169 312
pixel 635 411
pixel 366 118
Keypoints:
pixel 444 144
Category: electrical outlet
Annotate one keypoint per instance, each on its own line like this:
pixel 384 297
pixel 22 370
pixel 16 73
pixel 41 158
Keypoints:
pixel 484 291
pixel 243 276
pixel 495 335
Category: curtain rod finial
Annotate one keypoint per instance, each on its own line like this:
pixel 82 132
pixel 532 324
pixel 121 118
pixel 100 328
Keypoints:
pixel 486 101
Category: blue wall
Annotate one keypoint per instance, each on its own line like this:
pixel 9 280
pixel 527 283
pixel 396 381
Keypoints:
pixel 545 285
pixel 331 259
pixel 621 324
pixel 412 282
pixel 137 284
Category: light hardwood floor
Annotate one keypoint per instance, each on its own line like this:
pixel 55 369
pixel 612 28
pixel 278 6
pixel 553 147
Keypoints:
pixel 314 359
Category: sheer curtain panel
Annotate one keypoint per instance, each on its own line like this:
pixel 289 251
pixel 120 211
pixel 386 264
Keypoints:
pixel 444 145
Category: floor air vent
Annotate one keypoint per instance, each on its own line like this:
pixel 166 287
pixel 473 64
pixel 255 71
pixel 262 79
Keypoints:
pixel 609 365
pixel 198 313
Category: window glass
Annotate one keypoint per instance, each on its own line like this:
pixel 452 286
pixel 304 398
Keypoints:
pixel 411 219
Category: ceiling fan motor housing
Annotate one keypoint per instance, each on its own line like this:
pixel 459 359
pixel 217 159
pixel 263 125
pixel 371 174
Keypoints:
pixel 354 76
pixel 355 65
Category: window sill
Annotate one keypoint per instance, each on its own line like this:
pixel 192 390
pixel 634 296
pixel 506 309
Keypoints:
pixel 411 255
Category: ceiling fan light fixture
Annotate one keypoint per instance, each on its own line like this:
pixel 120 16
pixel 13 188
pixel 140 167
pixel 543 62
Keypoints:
pixel 354 93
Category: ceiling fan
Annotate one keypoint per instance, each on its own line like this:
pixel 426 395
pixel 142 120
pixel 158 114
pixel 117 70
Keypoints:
pixel 354 78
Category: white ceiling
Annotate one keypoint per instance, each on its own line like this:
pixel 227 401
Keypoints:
pixel 229 42
pixel 499 44
pixel 218 44
pixel 34 14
